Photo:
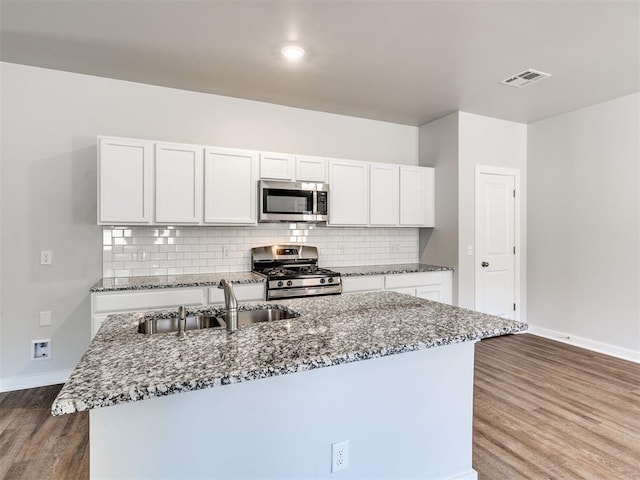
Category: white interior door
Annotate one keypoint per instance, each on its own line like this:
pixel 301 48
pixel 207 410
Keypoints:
pixel 496 244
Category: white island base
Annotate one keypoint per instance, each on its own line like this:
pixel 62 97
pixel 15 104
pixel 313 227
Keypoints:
pixel 406 416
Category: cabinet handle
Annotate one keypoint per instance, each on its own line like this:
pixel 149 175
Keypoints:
pixel 485 264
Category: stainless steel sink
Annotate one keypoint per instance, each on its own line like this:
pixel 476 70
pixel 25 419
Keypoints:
pixel 166 325
pixel 195 322
pixel 247 317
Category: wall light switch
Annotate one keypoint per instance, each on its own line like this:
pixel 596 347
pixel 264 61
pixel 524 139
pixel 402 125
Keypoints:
pixel 46 257
pixel 45 318
pixel 470 250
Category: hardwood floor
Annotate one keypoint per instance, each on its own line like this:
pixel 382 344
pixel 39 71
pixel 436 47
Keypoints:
pixel 542 410
pixel 547 410
pixel 36 446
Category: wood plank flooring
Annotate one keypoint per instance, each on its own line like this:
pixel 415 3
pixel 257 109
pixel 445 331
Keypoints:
pixel 36 446
pixel 542 410
pixel 547 410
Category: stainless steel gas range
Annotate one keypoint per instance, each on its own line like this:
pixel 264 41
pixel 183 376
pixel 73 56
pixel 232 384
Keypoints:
pixel 292 271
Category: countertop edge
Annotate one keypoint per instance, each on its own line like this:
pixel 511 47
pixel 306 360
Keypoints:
pixel 247 277
pixel 63 407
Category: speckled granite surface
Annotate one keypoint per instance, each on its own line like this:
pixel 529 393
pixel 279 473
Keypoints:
pixel 212 279
pixel 122 365
pixel 388 269
pixel 173 281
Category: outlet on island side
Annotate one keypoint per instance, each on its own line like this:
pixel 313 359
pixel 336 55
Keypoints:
pixel 339 456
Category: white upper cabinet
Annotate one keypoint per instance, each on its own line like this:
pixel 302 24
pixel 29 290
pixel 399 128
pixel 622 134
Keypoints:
pixel 230 186
pixel 178 183
pixel 124 181
pixel 383 196
pixel 311 169
pixel 417 196
pixel 279 166
pixel 349 192
pixel 298 168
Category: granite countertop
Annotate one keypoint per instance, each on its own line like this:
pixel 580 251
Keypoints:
pixel 173 281
pixel 123 366
pixel 388 269
pixel 213 279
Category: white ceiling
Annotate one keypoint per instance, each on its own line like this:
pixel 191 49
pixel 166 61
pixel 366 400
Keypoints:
pixel 408 62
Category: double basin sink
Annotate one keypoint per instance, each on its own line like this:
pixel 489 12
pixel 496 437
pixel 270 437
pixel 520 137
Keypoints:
pixel 196 322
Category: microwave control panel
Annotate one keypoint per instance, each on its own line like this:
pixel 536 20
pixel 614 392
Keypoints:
pixel 322 203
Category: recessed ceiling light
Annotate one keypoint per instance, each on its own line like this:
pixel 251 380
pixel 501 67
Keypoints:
pixel 292 52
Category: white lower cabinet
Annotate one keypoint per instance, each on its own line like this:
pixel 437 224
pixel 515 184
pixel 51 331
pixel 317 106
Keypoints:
pixel 364 283
pixel 436 286
pixel 245 292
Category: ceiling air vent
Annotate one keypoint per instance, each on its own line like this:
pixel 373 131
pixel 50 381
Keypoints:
pixel 525 78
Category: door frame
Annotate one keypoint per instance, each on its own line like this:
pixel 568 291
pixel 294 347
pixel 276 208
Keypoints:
pixel 511 172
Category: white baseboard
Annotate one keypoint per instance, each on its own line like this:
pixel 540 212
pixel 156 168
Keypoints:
pixel 472 475
pixel 21 382
pixel 593 345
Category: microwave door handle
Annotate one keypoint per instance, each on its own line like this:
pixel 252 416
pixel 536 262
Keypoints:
pixel 315 203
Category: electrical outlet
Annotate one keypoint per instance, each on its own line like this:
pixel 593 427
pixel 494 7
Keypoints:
pixel 226 249
pixel 394 248
pixel 339 456
pixel 45 318
pixel 46 257
pixel 142 255
pixel 41 349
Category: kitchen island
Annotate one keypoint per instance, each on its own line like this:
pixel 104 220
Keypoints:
pixel 399 390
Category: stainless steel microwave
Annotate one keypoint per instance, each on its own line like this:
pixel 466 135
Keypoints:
pixel 293 201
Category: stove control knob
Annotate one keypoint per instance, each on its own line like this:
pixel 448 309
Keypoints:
pixel 280 283
pixel 330 280
pixel 289 283
pixel 322 280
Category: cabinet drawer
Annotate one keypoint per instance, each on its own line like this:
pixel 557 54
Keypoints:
pixel 362 284
pixel 413 279
pixel 149 299
pixel 245 292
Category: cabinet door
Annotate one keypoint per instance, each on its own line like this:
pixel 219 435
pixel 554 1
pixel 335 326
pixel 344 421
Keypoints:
pixel 230 186
pixel 311 169
pixel 417 196
pixel 429 293
pixel 276 165
pixel 178 183
pixel 383 198
pixel 349 192
pixel 124 181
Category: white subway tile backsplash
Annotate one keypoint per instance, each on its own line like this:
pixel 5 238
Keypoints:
pixel 182 250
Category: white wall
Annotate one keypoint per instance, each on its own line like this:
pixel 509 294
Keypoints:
pixel 584 220
pixel 455 144
pixel 50 120
pixel 496 143
pixel 438 148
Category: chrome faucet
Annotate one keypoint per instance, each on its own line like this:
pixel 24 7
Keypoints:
pixel 182 321
pixel 230 305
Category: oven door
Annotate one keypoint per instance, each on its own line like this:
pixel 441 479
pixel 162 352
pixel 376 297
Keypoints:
pixel 287 202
